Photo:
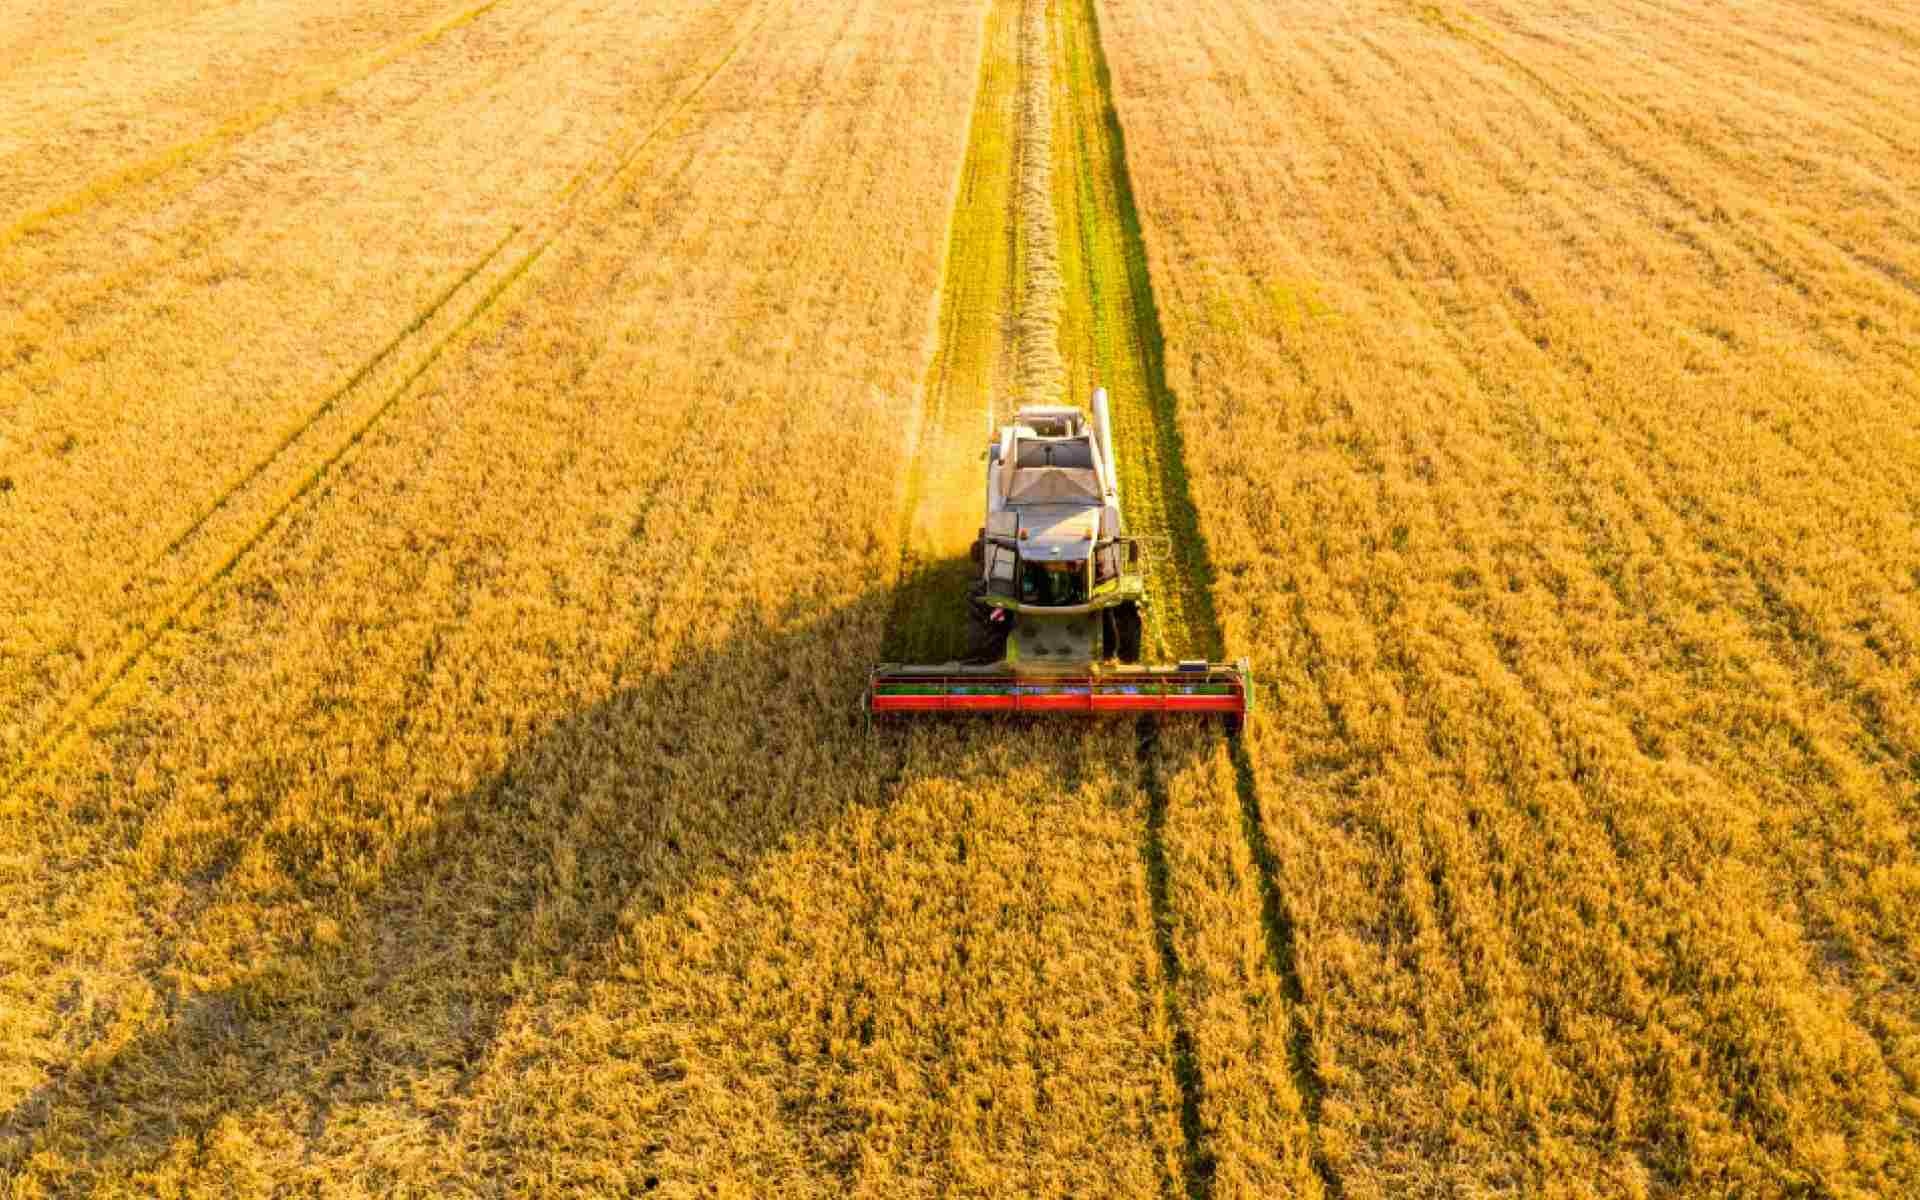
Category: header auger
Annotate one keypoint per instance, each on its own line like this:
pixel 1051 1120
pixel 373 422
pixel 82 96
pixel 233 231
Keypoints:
pixel 1054 614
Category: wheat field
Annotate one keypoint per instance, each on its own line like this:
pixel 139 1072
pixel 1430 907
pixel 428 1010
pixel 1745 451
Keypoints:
pixel 459 460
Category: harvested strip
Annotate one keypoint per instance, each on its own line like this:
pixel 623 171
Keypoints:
pixel 968 372
pixel 1111 336
pixel 1041 373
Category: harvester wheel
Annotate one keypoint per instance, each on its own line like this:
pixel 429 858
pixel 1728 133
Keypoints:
pixel 987 630
pixel 986 641
pixel 1123 628
pixel 978 551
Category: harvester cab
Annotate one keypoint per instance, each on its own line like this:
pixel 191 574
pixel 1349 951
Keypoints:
pixel 1054 614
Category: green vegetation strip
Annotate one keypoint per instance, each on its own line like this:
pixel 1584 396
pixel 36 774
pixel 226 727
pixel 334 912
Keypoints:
pixel 1112 327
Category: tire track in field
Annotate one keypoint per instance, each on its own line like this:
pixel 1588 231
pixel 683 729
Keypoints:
pixel 604 170
pixel 1122 334
pixel 1200 1163
pixel 587 185
pixel 249 830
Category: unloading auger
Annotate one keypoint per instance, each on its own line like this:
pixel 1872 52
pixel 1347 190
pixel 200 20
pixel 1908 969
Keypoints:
pixel 1054 614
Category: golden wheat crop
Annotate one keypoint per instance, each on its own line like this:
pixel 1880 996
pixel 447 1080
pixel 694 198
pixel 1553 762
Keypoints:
pixel 458 460
pixel 1546 378
pixel 181 350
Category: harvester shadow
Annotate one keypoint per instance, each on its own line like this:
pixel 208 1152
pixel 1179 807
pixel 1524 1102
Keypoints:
pixel 928 614
pixel 610 813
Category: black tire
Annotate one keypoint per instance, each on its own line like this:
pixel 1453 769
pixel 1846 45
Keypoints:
pixel 986 643
pixel 987 630
pixel 1124 622
pixel 978 551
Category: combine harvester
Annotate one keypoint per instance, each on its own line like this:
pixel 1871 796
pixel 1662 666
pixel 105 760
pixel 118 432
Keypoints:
pixel 1054 617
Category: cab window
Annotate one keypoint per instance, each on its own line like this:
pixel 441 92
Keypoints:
pixel 1053 584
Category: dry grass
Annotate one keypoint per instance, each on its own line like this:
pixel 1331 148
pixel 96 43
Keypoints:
pixel 1545 378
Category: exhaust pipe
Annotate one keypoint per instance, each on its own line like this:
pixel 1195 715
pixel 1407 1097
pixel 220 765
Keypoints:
pixel 1103 429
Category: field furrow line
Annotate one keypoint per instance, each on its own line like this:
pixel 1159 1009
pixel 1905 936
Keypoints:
pixel 586 186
